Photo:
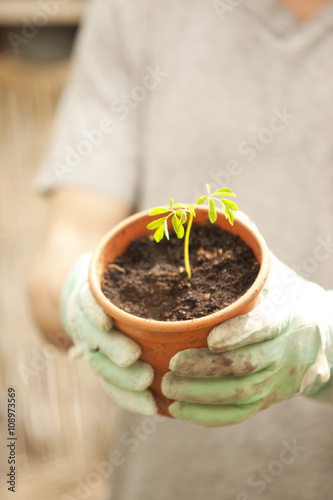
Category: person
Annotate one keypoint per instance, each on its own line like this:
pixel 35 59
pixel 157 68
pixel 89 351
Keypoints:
pixel 161 99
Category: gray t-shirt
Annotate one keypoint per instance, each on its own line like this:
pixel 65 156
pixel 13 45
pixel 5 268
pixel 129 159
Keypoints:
pixel 163 97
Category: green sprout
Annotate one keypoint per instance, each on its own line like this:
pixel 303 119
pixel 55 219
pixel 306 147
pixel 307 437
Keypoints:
pixel 180 213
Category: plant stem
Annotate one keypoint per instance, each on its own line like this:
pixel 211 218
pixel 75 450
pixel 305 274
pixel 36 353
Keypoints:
pixel 186 247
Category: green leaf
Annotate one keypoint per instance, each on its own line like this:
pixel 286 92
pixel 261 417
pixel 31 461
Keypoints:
pixel 175 223
pixel 191 210
pixel 183 217
pixel 159 210
pixel 228 213
pixel 230 204
pixel 224 192
pixel 171 203
pixel 212 212
pixel 180 233
pixel 159 233
pixel 166 231
pixel 225 210
pixel 179 230
pixel 201 200
pixel 156 223
pixel 209 189
pixel 231 217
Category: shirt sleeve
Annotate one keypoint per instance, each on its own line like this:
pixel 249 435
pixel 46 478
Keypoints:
pixel 93 145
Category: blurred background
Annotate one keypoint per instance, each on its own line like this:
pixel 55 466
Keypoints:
pixel 64 418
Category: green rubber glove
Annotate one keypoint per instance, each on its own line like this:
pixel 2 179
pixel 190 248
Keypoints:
pixel 284 347
pixel 111 355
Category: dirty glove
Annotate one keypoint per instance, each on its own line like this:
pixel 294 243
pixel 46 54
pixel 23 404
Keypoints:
pixel 111 355
pixel 284 347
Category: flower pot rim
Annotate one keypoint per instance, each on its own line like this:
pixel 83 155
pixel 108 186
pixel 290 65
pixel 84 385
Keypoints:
pixel 184 325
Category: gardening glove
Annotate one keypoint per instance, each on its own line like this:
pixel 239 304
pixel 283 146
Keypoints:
pixel 111 355
pixel 282 348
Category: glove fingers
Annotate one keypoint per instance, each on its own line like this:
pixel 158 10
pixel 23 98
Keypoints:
pixel 267 386
pixel 136 377
pixel 136 402
pixel 122 350
pixel 246 360
pixel 92 310
pixel 242 330
pixel 251 328
pixel 224 390
pixel 240 362
pixel 212 415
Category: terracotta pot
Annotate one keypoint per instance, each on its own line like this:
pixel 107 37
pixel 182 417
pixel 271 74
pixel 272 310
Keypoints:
pixel 160 340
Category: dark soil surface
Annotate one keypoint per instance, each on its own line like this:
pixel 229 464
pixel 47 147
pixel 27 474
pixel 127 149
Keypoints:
pixel 149 279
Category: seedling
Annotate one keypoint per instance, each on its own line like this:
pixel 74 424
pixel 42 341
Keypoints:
pixel 180 213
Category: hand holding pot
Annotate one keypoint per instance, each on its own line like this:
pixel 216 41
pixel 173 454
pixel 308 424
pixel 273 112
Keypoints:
pixel 112 355
pixel 284 347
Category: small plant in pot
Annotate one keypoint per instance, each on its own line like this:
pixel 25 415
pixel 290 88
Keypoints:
pixel 168 293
